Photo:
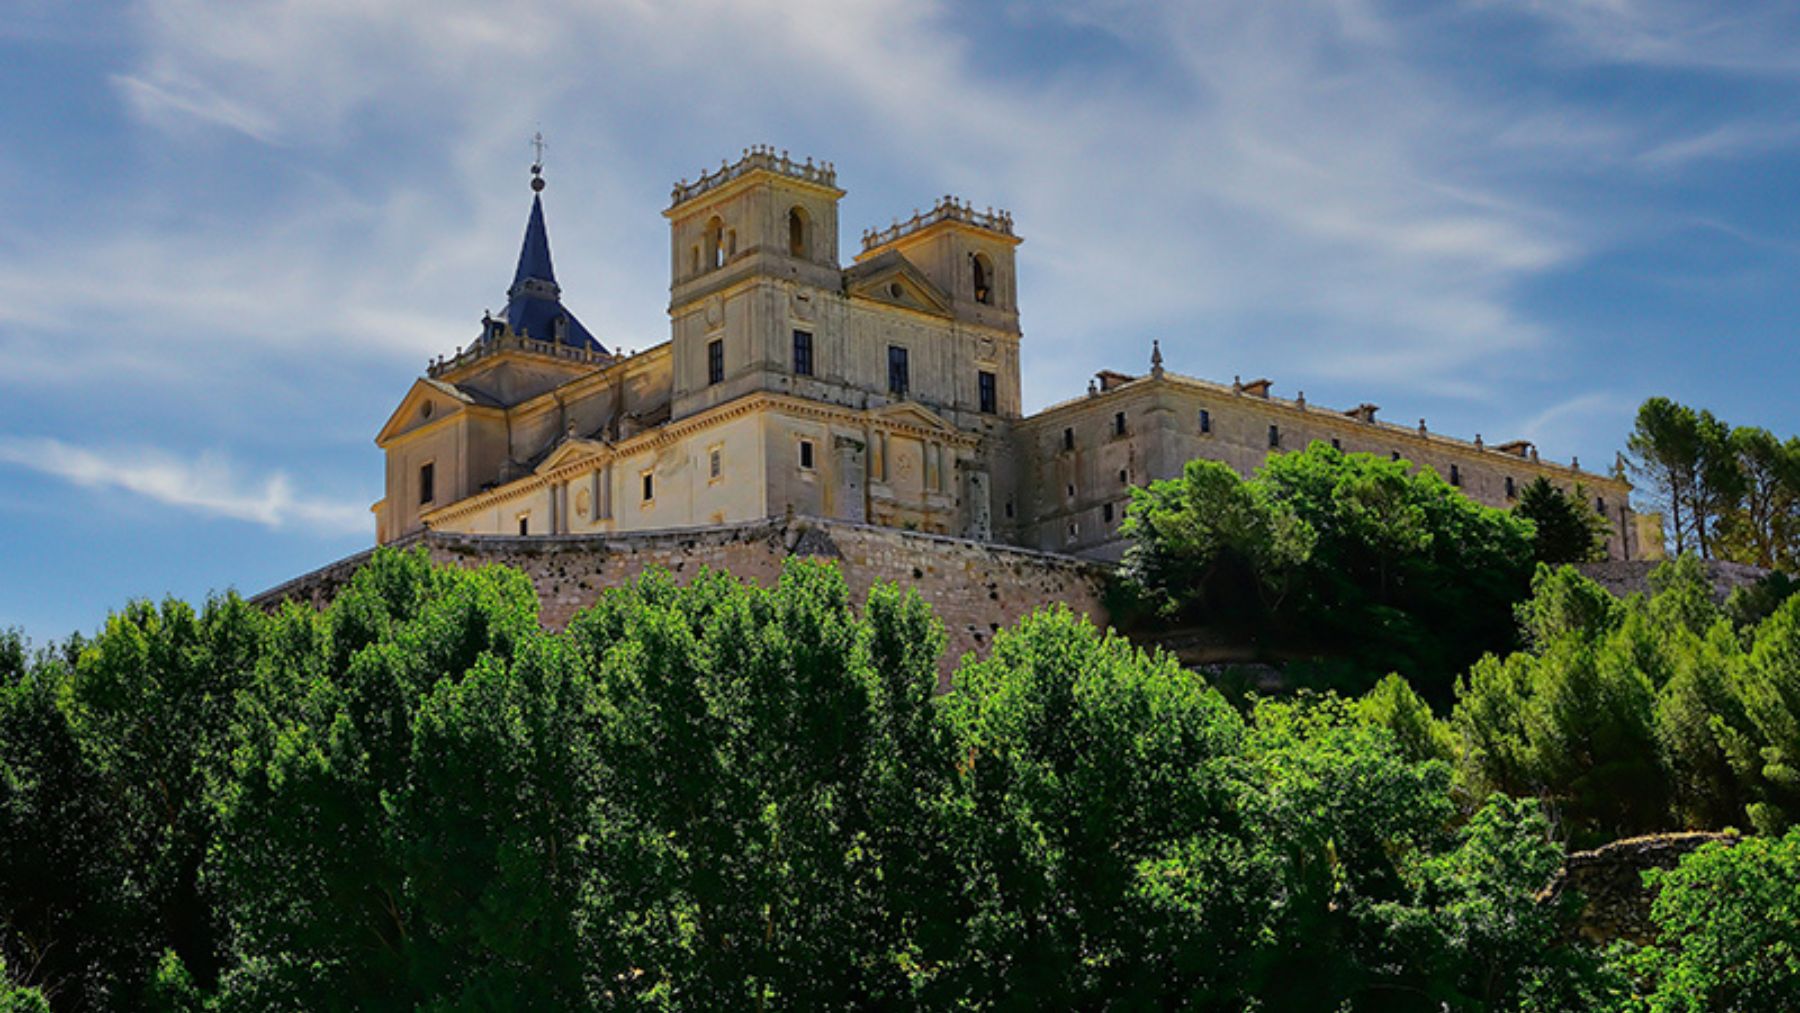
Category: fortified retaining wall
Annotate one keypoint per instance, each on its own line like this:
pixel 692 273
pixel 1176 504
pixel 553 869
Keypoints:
pixel 975 588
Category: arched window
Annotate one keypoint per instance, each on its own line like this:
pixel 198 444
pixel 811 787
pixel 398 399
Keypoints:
pixel 715 247
pixel 983 274
pixel 798 233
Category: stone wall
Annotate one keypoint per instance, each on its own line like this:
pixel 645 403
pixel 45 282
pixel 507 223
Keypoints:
pixel 1610 882
pixel 1625 577
pixel 974 588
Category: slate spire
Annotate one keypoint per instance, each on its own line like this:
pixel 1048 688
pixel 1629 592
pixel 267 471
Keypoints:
pixel 534 302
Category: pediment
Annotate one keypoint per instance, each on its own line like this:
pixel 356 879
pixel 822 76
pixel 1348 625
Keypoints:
pixel 571 450
pixel 892 279
pixel 426 402
pixel 914 415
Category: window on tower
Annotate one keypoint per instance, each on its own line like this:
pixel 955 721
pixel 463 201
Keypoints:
pixel 898 379
pixel 427 482
pixel 989 395
pixel 715 243
pixel 803 353
pixel 797 232
pixel 715 360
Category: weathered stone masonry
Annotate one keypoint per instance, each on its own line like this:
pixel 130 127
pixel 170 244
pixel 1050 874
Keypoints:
pixel 975 588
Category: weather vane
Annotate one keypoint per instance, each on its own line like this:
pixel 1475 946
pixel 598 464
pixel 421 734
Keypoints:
pixel 537 164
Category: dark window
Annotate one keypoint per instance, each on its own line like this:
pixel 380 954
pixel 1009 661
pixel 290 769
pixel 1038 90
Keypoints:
pixel 1124 477
pixel 797 232
pixel 1118 423
pixel 649 486
pixel 806 454
pixel 983 272
pixel 803 363
pixel 715 360
pixel 1509 487
pixel 1106 513
pixel 984 382
pixel 1336 444
pixel 898 379
pixel 1455 475
pixel 427 483
pixel 1071 488
pixel 1205 421
pixel 1274 436
pixel 715 466
pixel 525 525
pixel 1009 509
pixel 1068 439
pixel 1600 506
pixel 1396 455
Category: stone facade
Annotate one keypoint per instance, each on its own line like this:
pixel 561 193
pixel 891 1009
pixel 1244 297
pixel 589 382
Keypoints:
pixel 1609 882
pixel 974 589
pixel 885 392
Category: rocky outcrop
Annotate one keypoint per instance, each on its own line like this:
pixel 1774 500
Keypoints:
pixel 1632 576
pixel 1609 883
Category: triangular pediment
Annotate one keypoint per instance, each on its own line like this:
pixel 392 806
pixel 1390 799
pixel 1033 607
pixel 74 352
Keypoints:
pixel 426 402
pixel 914 415
pixel 892 279
pixel 573 449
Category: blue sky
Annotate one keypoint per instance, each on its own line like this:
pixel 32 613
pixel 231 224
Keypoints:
pixel 234 231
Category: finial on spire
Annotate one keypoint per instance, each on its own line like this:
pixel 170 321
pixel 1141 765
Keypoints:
pixel 1156 366
pixel 537 163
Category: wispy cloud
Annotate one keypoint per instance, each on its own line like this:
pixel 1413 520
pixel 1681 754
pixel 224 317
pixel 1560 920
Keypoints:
pixel 208 484
pixel 161 101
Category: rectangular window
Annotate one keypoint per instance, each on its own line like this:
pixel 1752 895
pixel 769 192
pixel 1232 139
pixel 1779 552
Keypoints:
pixel 806 454
pixel 1455 475
pixel 427 483
pixel 1118 423
pixel 525 524
pixel 1106 513
pixel 1124 477
pixel 990 397
pixel 715 360
pixel 1205 421
pixel 1510 494
pixel 714 465
pixel 899 381
pixel 803 359
pixel 1274 436
pixel 1068 439
pixel 1009 509
pixel 1337 444
pixel 1600 507
pixel 649 486
pixel 1396 455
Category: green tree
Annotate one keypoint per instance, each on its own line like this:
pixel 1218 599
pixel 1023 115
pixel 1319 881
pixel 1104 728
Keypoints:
pixel 17 998
pixel 1728 930
pixel 1566 530
pixel 1764 526
pixel 1687 458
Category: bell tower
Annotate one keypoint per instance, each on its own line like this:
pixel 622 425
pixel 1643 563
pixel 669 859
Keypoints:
pixel 742 240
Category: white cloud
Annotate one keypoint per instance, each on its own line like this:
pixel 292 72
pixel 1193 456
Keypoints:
pixel 208 484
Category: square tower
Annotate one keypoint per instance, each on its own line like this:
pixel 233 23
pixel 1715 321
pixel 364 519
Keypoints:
pixel 743 240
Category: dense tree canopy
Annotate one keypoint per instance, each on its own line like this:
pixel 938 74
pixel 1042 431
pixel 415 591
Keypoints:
pixel 1726 493
pixel 1355 555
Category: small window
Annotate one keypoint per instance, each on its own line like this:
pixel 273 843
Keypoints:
pixel 989 395
pixel 1124 477
pixel 715 243
pixel 1118 423
pixel 1068 438
pixel 1205 421
pixel 715 360
pixel 899 379
pixel 1074 530
pixel 1510 492
pixel 803 353
pixel 1337 444
pixel 806 454
pixel 1071 490
pixel 715 466
pixel 731 244
pixel 1274 436
pixel 525 524
pixel 1600 506
pixel 1455 475
pixel 1106 513
pixel 1009 509
pixel 427 483
pixel 1395 455
pixel 649 486
pixel 982 272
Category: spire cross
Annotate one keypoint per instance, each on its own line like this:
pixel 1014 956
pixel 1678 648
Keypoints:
pixel 537 145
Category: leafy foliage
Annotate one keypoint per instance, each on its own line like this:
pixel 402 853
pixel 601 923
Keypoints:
pixel 1391 570
pixel 1566 530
